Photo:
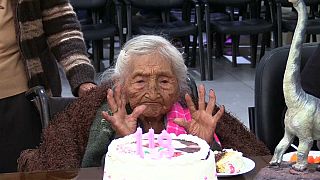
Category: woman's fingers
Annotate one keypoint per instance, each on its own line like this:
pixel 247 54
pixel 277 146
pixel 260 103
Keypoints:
pixel 111 101
pixel 117 96
pixel 190 103
pixel 219 114
pixel 123 102
pixel 116 99
pixel 182 122
pixel 108 118
pixel 137 112
pixel 202 94
pixel 212 102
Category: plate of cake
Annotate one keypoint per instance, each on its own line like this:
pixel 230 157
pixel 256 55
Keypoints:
pixel 231 163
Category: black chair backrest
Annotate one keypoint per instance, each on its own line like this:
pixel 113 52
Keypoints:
pixel 193 87
pixel 230 2
pixel 47 106
pixel 152 4
pixel 58 104
pixel 269 100
pixel 286 3
pixel 85 4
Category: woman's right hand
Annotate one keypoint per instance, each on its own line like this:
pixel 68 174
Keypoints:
pixel 122 122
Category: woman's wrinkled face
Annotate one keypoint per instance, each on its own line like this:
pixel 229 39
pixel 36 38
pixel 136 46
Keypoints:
pixel 151 82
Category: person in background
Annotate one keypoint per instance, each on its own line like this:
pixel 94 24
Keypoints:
pixel 35 35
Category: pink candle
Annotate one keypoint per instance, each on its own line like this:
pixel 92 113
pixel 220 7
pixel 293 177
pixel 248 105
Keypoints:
pixel 166 144
pixel 151 138
pixel 138 135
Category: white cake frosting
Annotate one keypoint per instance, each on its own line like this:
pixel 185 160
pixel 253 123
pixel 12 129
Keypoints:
pixel 123 163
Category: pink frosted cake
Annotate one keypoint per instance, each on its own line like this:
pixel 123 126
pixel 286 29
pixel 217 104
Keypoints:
pixel 152 156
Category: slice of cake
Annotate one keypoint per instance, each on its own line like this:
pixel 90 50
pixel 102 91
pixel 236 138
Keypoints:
pixel 184 157
pixel 229 161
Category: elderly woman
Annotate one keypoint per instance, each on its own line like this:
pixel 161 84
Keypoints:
pixel 148 89
pixel 150 79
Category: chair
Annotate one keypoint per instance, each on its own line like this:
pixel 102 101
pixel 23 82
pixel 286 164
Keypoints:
pixel 250 24
pixel 266 117
pixel 103 26
pixel 166 25
pixel 288 24
pixel 212 14
pixel 48 107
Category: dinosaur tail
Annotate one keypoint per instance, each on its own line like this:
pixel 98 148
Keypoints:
pixel 292 89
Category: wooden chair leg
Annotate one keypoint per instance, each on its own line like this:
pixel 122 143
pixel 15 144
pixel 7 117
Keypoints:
pixel 314 38
pixel 186 43
pixel 194 51
pixel 235 45
pixel 96 55
pixel 263 45
pixel 111 51
pixel 209 56
pixel 268 39
pixel 253 51
pixel 209 43
pixel 308 37
pixel 219 47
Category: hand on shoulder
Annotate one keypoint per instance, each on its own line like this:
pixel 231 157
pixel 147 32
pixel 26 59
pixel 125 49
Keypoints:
pixel 83 88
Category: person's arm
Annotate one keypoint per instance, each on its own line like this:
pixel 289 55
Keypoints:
pixel 66 41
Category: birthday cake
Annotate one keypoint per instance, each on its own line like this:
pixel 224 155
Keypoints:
pixel 159 156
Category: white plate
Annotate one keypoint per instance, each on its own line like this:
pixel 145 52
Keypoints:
pixel 287 156
pixel 249 165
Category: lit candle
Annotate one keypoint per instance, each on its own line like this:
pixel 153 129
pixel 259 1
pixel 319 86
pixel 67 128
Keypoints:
pixel 138 135
pixel 151 138
pixel 166 144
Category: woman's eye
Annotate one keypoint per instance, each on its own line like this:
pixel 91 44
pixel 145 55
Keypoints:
pixel 139 81
pixel 164 80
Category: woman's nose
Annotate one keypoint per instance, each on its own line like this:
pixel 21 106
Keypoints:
pixel 153 90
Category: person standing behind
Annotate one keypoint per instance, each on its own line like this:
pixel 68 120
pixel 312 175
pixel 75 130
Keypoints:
pixel 34 36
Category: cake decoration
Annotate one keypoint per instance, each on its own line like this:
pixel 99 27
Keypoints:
pixel 160 156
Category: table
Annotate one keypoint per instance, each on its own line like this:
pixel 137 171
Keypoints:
pixel 97 173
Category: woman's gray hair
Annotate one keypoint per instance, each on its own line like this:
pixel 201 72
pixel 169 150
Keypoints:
pixel 144 45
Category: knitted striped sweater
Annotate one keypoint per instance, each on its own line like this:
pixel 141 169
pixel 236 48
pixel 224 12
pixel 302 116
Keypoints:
pixel 49 32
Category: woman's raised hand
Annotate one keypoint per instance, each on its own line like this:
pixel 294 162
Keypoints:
pixel 203 123
pixel 123 123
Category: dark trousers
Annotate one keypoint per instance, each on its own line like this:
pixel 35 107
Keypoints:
pixel 20 129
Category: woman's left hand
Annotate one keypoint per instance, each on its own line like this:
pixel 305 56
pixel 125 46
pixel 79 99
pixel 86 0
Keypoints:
pixel 203 123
